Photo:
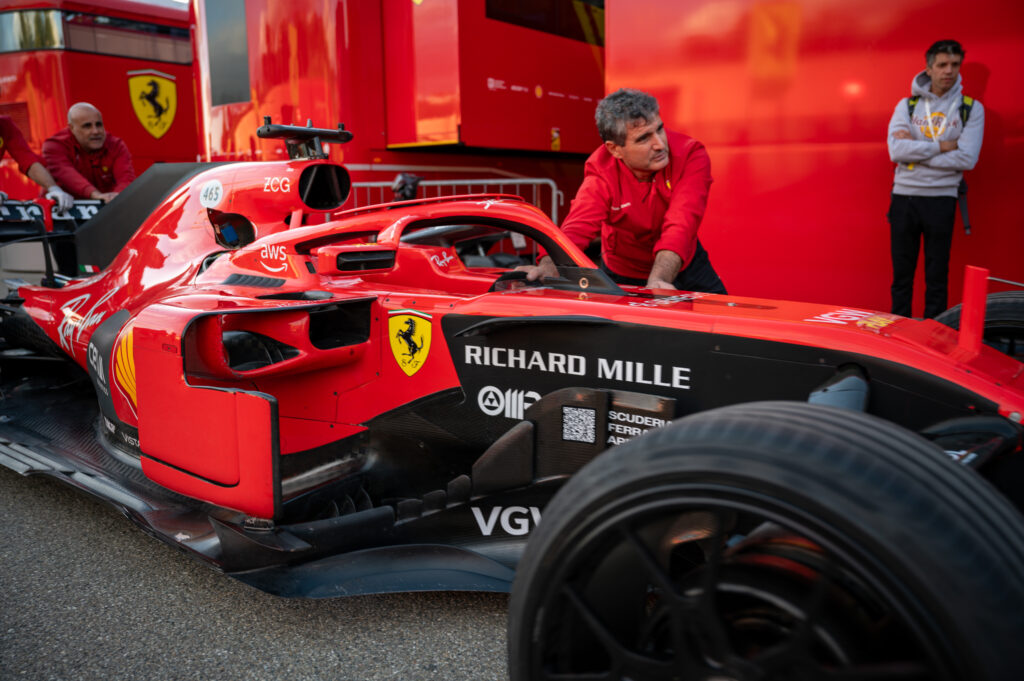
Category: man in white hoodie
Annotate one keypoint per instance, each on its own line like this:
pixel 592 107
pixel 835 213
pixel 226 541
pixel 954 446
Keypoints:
pixel 934 136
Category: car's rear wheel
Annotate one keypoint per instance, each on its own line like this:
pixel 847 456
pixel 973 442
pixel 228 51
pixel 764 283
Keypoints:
pixel 1004 322
pixel 772 541
pixel 19 330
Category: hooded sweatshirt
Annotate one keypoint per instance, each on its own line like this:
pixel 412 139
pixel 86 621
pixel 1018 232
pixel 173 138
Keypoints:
pixel 637 219
pixel 922 170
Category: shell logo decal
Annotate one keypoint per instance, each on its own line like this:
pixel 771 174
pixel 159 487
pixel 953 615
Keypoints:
pixel 124 367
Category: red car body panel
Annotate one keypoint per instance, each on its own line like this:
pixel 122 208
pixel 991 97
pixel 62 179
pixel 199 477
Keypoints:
pixel 176 374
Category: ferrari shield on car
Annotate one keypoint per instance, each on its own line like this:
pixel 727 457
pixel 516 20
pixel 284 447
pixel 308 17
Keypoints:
pixel 680 485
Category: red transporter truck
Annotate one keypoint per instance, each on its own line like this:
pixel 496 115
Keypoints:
pixel 131 59
pixel 448 90
pixel 793 100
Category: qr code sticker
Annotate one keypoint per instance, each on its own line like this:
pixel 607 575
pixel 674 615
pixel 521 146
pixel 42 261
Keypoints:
pixel 579 425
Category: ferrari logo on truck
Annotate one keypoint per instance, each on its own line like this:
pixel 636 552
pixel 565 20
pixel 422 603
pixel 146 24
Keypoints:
pixel 154 98
pixel 409 331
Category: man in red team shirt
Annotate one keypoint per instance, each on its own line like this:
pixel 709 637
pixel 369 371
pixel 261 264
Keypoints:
pixel 87 161
pixel 11 140
pixel 644 191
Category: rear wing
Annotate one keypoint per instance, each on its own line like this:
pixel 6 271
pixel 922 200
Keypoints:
pixel 24 225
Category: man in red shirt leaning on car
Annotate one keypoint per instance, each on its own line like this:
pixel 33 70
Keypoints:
pixel 644 191
pixel 13 142
pixel 87 161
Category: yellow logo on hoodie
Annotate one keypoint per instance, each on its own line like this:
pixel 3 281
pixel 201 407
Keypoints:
pixel 936 126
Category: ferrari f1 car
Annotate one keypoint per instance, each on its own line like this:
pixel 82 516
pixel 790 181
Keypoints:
pixel 322 403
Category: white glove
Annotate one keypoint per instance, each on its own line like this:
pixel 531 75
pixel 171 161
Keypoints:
pixel 63 199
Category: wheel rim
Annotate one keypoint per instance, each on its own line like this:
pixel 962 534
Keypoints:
pixel 720 586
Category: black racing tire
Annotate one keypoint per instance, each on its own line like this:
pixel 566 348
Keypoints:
pixel 772 540
pixel 1004 322
pixel 21 331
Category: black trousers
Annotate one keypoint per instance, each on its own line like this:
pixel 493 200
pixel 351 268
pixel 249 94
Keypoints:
pixel 912 218
pixel 699 275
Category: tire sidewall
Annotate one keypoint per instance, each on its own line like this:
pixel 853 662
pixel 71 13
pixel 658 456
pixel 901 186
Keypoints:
pixel 835 512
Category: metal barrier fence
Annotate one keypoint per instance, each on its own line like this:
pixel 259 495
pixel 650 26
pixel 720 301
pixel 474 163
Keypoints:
pixel 541 192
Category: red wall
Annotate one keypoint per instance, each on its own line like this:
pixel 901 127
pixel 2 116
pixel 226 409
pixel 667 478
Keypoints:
pixel 455 76
pixel 793 100
pixel 524 89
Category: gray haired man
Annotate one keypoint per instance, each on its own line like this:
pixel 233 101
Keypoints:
pixel 644 191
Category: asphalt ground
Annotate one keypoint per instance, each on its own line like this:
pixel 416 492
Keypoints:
pixel 85 594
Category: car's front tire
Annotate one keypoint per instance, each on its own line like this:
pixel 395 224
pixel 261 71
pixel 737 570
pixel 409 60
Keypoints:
pixel 772 541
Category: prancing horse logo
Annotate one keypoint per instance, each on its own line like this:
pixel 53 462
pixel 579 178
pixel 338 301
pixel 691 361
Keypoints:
pixel 409 332
pixel 151 96
pixel 154 99
pixel 408 335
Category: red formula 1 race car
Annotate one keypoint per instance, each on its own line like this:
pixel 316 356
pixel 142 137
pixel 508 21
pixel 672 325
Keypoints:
pixel 322 404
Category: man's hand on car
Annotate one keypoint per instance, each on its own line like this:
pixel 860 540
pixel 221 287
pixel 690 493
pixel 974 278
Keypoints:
pixel 544 268
pixel 62 198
